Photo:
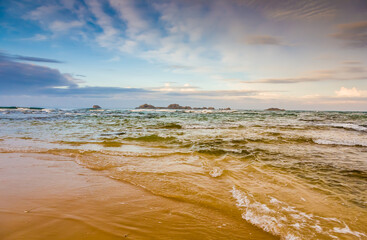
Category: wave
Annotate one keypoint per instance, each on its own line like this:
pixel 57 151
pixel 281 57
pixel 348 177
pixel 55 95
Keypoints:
pixel 151 138
pixel 348 126
pixel 341 143
pixel 168 126
pixel 277 139
pixel 80 143
pixel 285 221
pixel 216 172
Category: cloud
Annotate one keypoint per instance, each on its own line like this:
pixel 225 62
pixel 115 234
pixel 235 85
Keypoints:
pixel 345 72
pixel 295 8
pixel 287 80
pixel 206 34
pixel 217 94
pixel 80 75
pixel 43 11
pixel 188 91
pixel 37 37
pixel 305 79
pixel 352 62
pixel 17 78
pixel 27 58
pixel 168 87
pixel 93 92
pixel 350 93
pixel 263 40
pixel 20 78
pixel 35 59
pixel 353 34
pixel 59 17
pixel 61 26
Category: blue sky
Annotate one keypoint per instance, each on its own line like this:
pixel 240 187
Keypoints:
pixel 239 53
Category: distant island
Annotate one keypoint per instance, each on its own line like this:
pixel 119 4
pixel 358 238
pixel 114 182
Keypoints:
pixel 274 109
pixel 175 106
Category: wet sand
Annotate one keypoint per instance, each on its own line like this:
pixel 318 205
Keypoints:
pixel 51 197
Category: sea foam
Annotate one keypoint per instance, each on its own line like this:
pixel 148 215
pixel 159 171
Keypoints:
pixel 287 222
pixel 346 126
pixel 340 142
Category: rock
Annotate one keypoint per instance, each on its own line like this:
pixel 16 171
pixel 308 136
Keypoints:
pixel 177 106
pixel 274 109
pixel 172 106
pixel 96 107
pixel 146 106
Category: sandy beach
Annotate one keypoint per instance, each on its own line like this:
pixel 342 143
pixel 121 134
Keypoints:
pixel 51 197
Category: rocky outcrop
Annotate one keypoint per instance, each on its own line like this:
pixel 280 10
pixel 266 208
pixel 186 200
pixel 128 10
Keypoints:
pixel 274 109
pixel 146 106
pixel 172 106
pixel 96 107
pixel 177 106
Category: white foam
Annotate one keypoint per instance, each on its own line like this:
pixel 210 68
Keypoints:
pixel 274 200
pixel 317 228
pixel 256 213
pixel 280 219
pixel 291 237
pixel 343 143
pixel 216 172
pixel 346 126
pixel 346 230
pixel 296 225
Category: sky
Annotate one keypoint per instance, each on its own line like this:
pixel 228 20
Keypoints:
pixel 243 54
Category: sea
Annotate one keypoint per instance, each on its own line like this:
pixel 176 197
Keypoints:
pixel 293 174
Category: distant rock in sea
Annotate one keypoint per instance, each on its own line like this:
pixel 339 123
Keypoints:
pixel 96 107
pixel 146 106
pixel 173 106
pixel 177 106
pixel 274 109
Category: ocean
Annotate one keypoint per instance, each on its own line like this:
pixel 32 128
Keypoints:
pixel 293 174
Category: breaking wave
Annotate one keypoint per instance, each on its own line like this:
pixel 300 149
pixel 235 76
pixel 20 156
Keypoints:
pixel 287 222
pixel 340 142
pixel 348 126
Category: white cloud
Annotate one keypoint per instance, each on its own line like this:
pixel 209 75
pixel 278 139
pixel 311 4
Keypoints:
pixel 341 73
pixel 134 19
pixel 43 12
pixel 350 92
pixel 110 34
pixel 60 26
pixel 37 37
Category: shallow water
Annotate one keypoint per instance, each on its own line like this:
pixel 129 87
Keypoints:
pixel 296 175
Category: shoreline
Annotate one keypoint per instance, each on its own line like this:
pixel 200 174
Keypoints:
pixel 43 195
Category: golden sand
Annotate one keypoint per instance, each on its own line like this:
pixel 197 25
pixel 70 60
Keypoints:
pixel 44 196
